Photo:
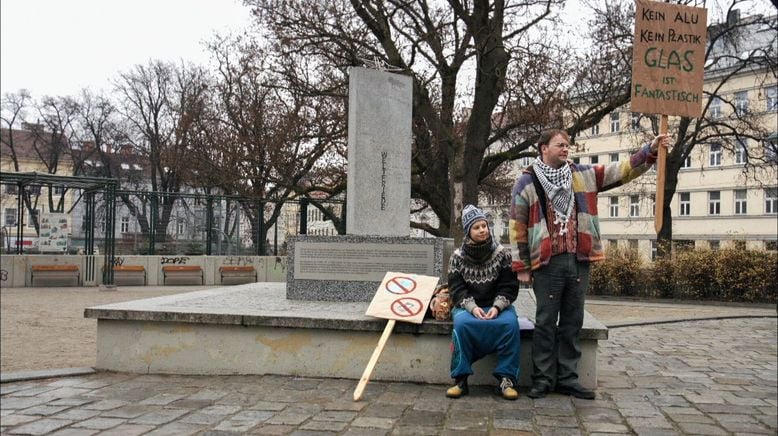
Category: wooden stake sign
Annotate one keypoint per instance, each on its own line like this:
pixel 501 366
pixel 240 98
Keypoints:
pixel 400 297
pixel 668 69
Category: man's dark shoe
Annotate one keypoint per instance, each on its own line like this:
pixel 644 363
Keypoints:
pixel 538 390
pixel 575 390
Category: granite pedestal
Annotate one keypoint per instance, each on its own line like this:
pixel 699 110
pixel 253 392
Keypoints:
pixel 255 329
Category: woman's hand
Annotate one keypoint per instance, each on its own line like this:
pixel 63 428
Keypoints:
pixel 480 314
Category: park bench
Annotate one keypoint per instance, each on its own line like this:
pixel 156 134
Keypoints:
pixel 129 275
pixel 237 275
pixel 55 275
pixel 182 275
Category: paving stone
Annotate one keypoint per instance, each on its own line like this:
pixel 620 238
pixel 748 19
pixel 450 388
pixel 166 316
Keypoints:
pixel 600 415
pixel 244 421
pixel 340 405
pixel 41 426
pixel 287 418
pixel 43 410
pixel 605 427
pixel 176 429
pixel 373 422
pixel 77 414
pixel 159 417
pixel 100 423
pixel 558 421
pixel 335 415
pixel 557 431
pixel 71 401
pixel 335 426
pixel 512 424
pixel 128 430
pixel 746 427
pixel 654 432
pixel 652 422
pixel 706 429
pixel 366 432
pixel 384 411
pixel 33 391
pixel 75 432
pixel 271 429
pixel 11 420
pixel 420 431
pixel 19 403
pixel 106 404
pixel 768 420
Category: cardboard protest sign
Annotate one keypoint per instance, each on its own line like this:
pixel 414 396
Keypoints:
pixel 403 297
pixel 668 59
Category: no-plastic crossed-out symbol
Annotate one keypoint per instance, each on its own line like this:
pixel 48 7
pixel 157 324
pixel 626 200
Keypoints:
pixel 406 307
pixel 401 285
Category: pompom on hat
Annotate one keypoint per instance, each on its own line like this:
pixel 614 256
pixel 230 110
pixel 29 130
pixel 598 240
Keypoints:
pixel 470 215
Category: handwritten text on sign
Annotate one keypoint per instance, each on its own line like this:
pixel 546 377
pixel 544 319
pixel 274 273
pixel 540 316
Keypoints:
pixel 403 297
pixel 668 59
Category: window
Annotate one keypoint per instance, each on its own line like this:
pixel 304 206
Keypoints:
pixel 653 250
pixel 635 121
pixel 771 245
pixel 633 244
pixel 125 224
pixel 595 160
pixel 714 202
pixel 577 160
pixel 614 157
pixel 687 162
pixel 741 151
pixel 741 206
pixel 595 130
pixel 614 207
pixel 634 205
pixel 739 244
pixel 613 244
pixel 683 244
pixel 652 210
pixel 102 226
pixel 10 217
pixel 525 162
pixel 772 98
pixel 11 189
pixel 714 109
pixel 714 244
pixel 32 217
pixel 741 102
pixel 615 126
pixel 686 204
pixel 180 227
pixel 771 200
pixel 715 155
pixel 771 149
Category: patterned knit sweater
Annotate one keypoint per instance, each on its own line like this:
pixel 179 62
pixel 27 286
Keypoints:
pixel 529 229
pixel 484 284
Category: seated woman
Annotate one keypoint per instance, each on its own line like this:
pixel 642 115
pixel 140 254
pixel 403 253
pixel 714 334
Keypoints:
pixel 483 288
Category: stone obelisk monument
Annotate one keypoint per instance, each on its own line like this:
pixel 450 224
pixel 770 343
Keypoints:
pixel 350 267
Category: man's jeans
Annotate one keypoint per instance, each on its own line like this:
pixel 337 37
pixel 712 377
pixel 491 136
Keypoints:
pixel 559 288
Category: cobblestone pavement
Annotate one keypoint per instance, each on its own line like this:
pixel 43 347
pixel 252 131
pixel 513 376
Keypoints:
pixel 702 377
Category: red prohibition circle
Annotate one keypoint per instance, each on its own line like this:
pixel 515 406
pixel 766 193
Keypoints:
pixel 406 307
pixel 400 285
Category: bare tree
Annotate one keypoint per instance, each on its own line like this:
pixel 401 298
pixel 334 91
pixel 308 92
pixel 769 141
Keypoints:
pixel 163 106
pixel 266 139
pixel 486 79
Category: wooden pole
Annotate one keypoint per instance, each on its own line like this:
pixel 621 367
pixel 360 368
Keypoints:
pixel 373 360
pixel 659 204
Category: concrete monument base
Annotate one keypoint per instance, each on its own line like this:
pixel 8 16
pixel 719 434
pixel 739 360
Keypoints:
pixel 254 329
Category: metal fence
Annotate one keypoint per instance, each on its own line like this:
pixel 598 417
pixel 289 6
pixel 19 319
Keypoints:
pixel 93 217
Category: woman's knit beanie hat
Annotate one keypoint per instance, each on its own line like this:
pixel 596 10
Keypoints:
pixel 470 215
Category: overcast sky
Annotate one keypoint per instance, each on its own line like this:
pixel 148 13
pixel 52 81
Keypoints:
pixel 58 47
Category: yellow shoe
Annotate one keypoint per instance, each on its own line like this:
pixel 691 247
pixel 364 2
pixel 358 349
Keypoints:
pixel 506 389
pixel 458 389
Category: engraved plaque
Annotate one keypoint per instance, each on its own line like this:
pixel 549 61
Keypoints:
pixel 359 262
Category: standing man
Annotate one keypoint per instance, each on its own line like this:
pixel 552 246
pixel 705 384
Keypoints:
pixel 555 229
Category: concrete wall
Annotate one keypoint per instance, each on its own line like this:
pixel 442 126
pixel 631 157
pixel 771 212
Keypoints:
pixel 184 348
pixel 15 270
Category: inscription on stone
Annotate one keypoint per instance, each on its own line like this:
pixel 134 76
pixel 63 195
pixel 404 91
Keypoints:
pixel 362 262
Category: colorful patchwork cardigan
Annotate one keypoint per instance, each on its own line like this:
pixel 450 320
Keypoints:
pixel 529 232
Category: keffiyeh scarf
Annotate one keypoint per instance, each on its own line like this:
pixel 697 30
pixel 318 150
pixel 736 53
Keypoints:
pixel 558 184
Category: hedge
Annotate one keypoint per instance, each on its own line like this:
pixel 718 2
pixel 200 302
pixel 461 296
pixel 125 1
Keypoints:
pixel 717 275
